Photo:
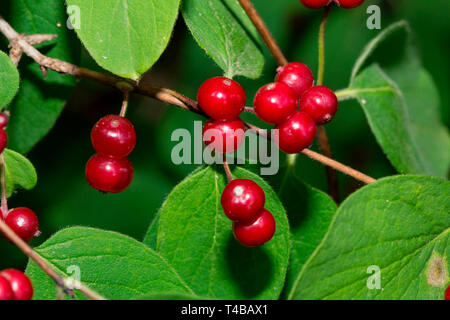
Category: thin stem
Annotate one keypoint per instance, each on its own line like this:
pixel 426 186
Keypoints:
pixel 126 96
pixel 322 29
pixel 226 167
pixel 162 94
pixel 4 196
pixel 264 32
pixel 322 138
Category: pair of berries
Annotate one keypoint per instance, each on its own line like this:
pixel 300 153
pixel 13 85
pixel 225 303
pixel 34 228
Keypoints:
pixel 346 4
pixel 113 137
pixel 4 119
pixel 243 202
pixel 223 100
pixel 277 102
pixel 23 222
pixel 15 285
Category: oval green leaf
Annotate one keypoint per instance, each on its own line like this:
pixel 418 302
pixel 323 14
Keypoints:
pixel 9 79
pixel 223 30
pixel 19 172
pixel 124 37
pixel 114 265
pixel 196 238
pixel 388 240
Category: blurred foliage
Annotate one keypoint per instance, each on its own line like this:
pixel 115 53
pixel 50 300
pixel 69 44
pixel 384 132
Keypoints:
pixel 63 198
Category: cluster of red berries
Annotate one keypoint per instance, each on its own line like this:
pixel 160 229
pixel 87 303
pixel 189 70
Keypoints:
pixel 346 4
pixel 223 100
pixel 113 137
pixel 243 202
pixel 15 285
pixel 277 103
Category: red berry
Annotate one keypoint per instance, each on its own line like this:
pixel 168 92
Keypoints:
pixel 315 4
pixel 20 284
pixel 349 4
pixel 6 292
pixel 221 98
pixel 4 119
pixel 275 102
pixel 296 133
pixel 224 136
pixel 320 103
pixel 257 232
pixel 242 200
pixel 113 136
pixel 447 293
pixel 3 140
pixel 297 76
pixel 23 222
pixel 108 174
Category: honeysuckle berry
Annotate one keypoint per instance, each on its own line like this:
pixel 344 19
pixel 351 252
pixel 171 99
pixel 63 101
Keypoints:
pixel 221 98
pixel 315 4
pixel 19 282
pixel 447 293
pixel 6 292
pixel 297 76
pixel 242 200
pixel 23 222
pixel 320 103
pixel 113 136
pixel 256 232
pixel 4 120
pixel 349 4
pixel 296 133
pixel 224 136
pixel 3 140
pixel 275 102
pixel 109 174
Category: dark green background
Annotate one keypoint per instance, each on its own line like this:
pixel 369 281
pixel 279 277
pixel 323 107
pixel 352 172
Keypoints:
pixel 63 198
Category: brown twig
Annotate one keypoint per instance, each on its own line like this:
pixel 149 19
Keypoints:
pixel 264 32
pixel 163 94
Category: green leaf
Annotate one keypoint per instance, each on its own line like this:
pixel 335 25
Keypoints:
pixel 114 265
pixel 196 238
pixel 412 136
pixel 125 37
pixel 40 102
pixel 400 225
pixel 310 212
pixel 9 79
pixel 19 172
pixel 223 30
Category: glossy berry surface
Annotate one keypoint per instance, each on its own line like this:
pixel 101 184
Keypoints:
pixel 447 293
pixel 221 98
pixel 320 103
pixel 23 222
pixel 20 284
pixel 242 200
pixel 108 174
pixel 224 136
pixel 257 232
pixel 275 102
pixel 349 4
pixel 297 76
pixel 4 119
pixel 296 133
pixel 6 292
pixel 3 140
pixel 114 136
pixel 315 4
